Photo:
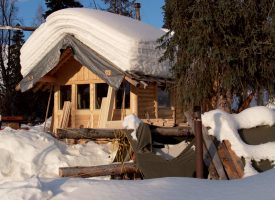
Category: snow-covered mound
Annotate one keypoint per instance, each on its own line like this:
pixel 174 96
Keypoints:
pixel 225 126
pixel 34 153
pixel 127 43
pixel 252 188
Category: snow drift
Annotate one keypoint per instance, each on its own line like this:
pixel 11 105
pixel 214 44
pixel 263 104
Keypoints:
pixel 224 126
pixel 34 153
pixel 127 43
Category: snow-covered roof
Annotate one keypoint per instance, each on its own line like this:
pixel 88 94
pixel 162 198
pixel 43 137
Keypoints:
pixel 127 43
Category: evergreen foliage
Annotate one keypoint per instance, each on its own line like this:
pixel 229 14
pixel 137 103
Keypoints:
pixel 11 74
pixel 54 5
pixel 122 7
pixel 219 47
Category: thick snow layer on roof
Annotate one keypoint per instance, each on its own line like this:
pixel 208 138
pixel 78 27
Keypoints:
pixel 225 126
pixel 127 43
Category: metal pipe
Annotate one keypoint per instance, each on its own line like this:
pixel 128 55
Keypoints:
pixel 198 140
pixel 137 8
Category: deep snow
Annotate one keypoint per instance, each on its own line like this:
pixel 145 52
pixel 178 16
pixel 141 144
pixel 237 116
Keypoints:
pixel 29 160
pixel 127 43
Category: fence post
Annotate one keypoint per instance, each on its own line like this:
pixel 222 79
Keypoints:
pixel 198 140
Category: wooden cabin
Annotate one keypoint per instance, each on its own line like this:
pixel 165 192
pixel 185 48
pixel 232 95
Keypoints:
pixel 101 67
pixel 95 104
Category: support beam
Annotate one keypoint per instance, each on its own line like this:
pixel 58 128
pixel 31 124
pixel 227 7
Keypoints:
pixel 48 79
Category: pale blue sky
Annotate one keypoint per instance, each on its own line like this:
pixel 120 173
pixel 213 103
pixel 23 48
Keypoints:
pixel 151 11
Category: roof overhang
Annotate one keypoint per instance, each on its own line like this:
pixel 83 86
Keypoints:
pixel 83 54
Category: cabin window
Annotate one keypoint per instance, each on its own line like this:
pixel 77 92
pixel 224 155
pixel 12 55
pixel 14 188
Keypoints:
pixel 123 96
pixel 83 96
pixel 101 90
pixel 65 94
pixel 163 98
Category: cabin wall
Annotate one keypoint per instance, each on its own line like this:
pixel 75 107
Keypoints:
pixel 143 101
pixel 73 73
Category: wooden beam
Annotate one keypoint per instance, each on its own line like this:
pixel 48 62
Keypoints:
pixel 102 170
pixel 88 133
pixel 235 166
pixel 96 133
pixel 37 87
pixel 48 79
pixel 107 106
pixel 132 81
pixel 18 28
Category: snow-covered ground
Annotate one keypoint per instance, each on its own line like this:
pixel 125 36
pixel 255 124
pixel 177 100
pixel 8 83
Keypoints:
pixel 29 162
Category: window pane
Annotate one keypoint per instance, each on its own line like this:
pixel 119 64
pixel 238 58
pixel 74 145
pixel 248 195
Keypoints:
pixel 101 90
pixel 83 96
pixel 163 98
pixel 65 94
pixel 123 90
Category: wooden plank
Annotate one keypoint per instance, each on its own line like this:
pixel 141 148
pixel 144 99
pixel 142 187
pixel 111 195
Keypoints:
pixel 102 114
pixel 64 122
pixel 108 107
pixel 227 162
pixel 237 162
pixel 211 148
pixel 102 170
pixel 208 140
pixel 73 106
pixel 48 79
pixel 55 108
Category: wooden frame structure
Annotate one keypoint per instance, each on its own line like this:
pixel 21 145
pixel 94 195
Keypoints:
pixel 143 97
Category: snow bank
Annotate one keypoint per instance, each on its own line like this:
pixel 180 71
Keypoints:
pixel 34 153
pixel 252 188
pixel 127 43
pixel 225 126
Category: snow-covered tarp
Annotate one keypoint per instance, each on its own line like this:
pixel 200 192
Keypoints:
pixel 225 126
pixel 128 44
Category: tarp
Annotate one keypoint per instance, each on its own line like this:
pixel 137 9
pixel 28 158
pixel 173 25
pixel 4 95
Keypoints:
pixel 83 54
pixel 256 136
pixel 154 166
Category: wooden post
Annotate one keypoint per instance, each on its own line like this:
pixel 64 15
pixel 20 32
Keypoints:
pixel 134 100
pixel 48 105
pixel 198 139
pixel 55 108
pixel 73 105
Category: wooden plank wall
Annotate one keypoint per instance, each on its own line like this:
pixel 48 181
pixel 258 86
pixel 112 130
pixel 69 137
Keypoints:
pixel 146 102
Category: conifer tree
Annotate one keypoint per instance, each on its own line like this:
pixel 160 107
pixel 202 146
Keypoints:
pixel 54 5
pixel 122 7
pixel 13 97
pixel 219 48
